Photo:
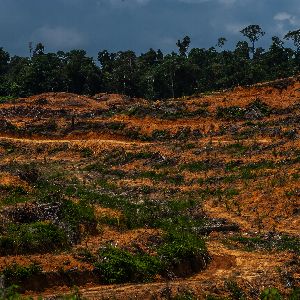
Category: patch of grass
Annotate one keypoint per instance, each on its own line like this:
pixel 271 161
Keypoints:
pixel 86 152
pixel 152 175
pixel 150 213
pixel 162 176
pixel 103 169
pixel 104 183
pixel 185 295
pixel 116 126
pixel 213 297
pixel 279 243
pixel 230 113
pixel 236 149
pixel 172 216
pixel 231 192
pixel 15 195
pixel 233 165
pixel 263 164
pixel 260 108
pixel 198 166
pixel 97 167
pixel 247 171
pixel 230 178
pixel 6 99
pixel 45 129
pixel 247 174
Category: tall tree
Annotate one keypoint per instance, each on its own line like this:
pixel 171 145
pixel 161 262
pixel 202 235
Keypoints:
pixel 4 60
pixel 82 73
pixel 253 33
pixel 4 65
pixel 221 42
pixel 278 59
pixel 295 37
pixel 183 45
pixel 39 49
pixel 124 74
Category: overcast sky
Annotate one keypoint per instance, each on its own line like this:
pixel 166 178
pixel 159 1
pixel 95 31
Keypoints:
pixel 115 25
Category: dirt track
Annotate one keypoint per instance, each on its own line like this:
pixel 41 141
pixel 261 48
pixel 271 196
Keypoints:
pixel 121 142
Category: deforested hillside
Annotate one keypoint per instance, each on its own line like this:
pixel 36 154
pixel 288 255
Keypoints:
pixel 187 198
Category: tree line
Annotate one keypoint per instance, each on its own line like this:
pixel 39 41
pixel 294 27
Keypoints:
pixel 151 75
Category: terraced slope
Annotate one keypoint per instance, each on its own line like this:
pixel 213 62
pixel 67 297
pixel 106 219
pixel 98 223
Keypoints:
pixel 193 197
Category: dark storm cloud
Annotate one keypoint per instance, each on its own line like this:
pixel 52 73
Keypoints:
pixel 138 24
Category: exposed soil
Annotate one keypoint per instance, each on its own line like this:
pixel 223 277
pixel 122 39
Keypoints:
pixel 236 153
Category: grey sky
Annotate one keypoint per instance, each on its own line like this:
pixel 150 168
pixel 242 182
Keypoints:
pixel 115 25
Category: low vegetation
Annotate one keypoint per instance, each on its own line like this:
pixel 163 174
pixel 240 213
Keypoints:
pixel 115 194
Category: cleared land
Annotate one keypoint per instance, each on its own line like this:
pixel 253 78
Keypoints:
pixel 128 198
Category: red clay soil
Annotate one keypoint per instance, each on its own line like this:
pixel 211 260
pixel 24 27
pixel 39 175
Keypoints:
pixel 266 203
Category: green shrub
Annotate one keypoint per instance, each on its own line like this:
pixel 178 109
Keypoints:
pixel 295 294
pixel 29 173
pixel 231 192
pixel 140 214
pixel 235 291
pixel 152 175
pixel 197 166
pixel 15 274
pixel 116 126
pixel 15 195
pixel 260 106
pixel 161 135
pixel 11 293
pixel 247 174
pixel 36 237
pixel 119 266
pixel 236 149
pixel 86 152
pixel 230 113
pixel 180 246
pixel 186 295
pixel 77 213
pixel 270 294
pixel 72 215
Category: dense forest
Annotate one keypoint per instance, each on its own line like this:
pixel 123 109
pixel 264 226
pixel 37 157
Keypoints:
pixel 151 75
